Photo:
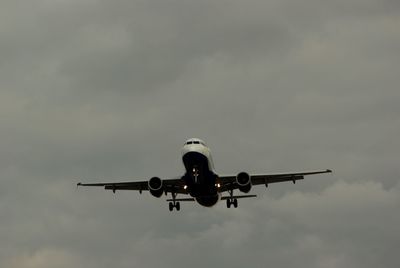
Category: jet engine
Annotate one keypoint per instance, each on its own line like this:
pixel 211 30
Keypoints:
pixel 155 185
pixel 244 182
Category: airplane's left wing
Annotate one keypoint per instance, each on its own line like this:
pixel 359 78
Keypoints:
pixel 229 182
pixel 170 185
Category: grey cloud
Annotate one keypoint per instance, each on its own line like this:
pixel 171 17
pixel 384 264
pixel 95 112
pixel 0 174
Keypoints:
pixel 317 230
pixel 94 90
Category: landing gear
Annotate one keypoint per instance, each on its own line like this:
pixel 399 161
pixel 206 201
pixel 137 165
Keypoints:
pixel 196 173
pixel 231 201
pixel 174 204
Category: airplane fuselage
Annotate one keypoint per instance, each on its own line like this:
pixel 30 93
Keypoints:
pixel 200 176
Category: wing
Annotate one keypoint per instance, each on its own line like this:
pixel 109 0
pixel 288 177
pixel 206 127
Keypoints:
pixel 229 182
pixel 170 185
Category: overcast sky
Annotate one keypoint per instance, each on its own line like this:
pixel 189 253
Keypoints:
pixel 95 90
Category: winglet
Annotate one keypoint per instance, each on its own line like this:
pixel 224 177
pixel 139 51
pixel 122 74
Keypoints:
pixel 329 171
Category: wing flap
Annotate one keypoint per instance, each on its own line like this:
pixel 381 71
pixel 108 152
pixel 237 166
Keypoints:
pixel 259 179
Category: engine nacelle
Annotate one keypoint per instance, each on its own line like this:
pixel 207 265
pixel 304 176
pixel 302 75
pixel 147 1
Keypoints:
pixel 155 185
pixel 244 182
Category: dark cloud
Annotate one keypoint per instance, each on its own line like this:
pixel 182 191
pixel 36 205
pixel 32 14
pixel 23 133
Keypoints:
pixel 99 90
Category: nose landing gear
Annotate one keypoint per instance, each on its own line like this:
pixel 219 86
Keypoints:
pixel 195 173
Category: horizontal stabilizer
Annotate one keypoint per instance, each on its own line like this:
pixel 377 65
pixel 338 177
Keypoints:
pixel 238 196
pixel 181 199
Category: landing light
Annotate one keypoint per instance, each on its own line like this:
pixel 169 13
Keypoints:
pixel 218 185
pixel 185 187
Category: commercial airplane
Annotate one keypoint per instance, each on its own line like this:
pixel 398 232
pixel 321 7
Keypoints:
pixel 201 182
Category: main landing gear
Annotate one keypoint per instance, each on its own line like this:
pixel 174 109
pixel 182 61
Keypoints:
pixel 231 201
pixel 174 203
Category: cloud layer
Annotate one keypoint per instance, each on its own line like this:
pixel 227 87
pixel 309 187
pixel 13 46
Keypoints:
pixel 94 90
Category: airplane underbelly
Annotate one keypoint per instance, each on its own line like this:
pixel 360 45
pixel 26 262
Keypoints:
pixel 208 200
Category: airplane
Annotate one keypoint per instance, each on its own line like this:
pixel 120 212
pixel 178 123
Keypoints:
pixel 201 182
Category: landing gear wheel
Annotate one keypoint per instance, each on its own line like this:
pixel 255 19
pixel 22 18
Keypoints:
pixel 178 206
pixel 228 203
pixel 235 203
pixel 171 206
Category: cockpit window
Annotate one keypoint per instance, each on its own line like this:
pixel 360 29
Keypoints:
pixel 195 142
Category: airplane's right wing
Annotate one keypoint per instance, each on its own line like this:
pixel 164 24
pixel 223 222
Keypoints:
pixel 170 185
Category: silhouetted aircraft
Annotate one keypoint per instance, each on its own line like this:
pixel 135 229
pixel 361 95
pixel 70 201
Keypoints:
pixel 201 182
